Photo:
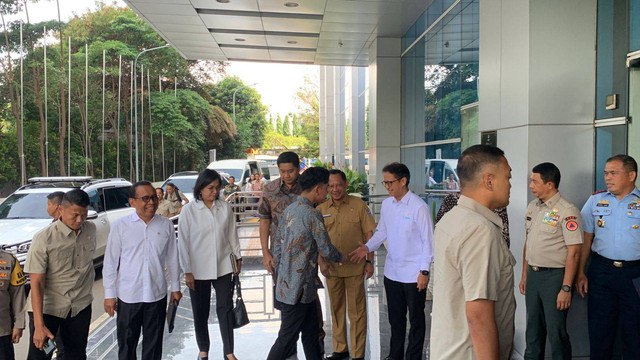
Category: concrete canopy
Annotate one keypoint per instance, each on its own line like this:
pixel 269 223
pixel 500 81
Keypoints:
pixel 321 32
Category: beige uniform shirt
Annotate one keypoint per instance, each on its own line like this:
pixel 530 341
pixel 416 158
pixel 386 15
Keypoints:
pixel 66 259
pixel 347 222
pixel 12 298
pixel 472 262
pixel 550 227
pixel 163 208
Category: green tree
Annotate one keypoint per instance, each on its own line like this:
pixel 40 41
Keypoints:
pixel 250 117
pixel 286 126
pixel 308 102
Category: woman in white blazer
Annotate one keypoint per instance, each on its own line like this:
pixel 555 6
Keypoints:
pixel 206 238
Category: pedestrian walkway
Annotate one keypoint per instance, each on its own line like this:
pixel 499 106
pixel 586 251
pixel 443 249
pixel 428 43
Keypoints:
pixel 253 341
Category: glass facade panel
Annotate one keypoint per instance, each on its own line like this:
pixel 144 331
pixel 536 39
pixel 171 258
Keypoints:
pixel 610 140
pixel 634 25
pixel 611 71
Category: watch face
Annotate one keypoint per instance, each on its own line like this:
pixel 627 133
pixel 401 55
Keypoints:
pixel 566 288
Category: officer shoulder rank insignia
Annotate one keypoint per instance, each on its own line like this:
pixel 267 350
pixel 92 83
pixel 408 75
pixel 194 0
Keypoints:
pixel 598 191
pixel 571 225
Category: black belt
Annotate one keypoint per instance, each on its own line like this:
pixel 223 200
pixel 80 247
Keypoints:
pixel 615 263
pixel 540 268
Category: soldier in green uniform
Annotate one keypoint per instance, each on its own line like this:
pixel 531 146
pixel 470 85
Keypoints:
pixel 12 304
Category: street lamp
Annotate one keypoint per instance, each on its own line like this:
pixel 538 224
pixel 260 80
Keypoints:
pixel 135 99
pixel 234 98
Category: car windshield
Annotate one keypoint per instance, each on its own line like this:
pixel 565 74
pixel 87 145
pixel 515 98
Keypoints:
pixel 236 173
pixel 25 206
pixel 184 184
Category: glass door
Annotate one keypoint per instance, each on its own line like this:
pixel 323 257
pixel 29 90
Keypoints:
pixel 633 64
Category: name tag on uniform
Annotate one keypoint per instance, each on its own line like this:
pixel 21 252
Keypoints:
pixel 326 215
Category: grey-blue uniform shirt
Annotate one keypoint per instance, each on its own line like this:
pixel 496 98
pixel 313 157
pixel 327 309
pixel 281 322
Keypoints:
pixel 615 225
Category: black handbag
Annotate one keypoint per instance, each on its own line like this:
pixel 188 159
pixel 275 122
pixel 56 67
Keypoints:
pixel 240 316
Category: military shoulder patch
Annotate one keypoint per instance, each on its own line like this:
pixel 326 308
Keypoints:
pixel 17 276
pixel 571 225
pixel 599 191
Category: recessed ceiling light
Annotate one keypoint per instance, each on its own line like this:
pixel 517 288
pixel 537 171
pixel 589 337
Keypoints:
pixel 292 42
pixel 291 4
pixel 239 39
pixel 223 1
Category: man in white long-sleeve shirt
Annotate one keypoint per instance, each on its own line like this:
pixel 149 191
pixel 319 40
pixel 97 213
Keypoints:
pixel 138 249
pixel 405 222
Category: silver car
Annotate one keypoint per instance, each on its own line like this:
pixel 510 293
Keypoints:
pixel 24 212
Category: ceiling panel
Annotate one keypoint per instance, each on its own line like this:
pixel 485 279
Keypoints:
pixel 333 32
pixel 171 19
pixel 291 25
pixel 304 6
pixel 286 55
pixel 236 5
pixel 287 41
pixel 246 53
pixel 232 22
pixel 235 39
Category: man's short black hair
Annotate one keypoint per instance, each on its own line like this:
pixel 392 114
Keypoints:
pixel 399 170
pixel 76 197
pixel 56 197
pixel 628 162
pixel 288 157
pixel 473 160
pixel 135 186
pixel 548 173
pixel 338 172
pixel 313 176
pixel 206 177
pixel 232 177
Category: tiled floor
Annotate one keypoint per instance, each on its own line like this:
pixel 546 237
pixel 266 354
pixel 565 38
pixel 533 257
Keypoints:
pixel 254 340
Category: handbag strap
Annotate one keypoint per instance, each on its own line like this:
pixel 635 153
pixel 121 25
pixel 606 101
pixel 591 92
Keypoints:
pixel 236 281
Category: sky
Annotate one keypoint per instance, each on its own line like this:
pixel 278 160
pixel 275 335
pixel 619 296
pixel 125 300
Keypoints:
pixel 276 83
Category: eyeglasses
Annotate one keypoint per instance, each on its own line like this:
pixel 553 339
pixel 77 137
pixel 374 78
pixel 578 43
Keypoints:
pixel 389 183
pixel 145 199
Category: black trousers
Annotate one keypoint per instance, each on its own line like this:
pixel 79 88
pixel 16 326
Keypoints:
pixel 201 305
pixel 6 348
pixel 613 303
pixel 295 319
pixel 148 317
pixel 73 331
pixel 400 297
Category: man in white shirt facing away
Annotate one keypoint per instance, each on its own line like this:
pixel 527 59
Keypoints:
pixel 405 222
pixel 138 249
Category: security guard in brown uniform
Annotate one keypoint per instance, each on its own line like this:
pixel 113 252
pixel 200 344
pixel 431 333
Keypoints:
pixel 349 223
pixel 12 304
pixel 551 257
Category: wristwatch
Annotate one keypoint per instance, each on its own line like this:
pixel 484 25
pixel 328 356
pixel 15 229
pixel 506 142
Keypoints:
pixel 566 288
pixel 424 272
pixel 369 261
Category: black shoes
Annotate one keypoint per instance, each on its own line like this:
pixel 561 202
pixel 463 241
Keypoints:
pixel 338 356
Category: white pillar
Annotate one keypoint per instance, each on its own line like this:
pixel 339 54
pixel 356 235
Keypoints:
pixel 384 107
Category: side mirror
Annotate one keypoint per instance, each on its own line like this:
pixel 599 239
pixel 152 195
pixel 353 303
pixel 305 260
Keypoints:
pixel 92 215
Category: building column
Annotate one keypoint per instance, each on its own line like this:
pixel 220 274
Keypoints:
pixel 384 107
pixel 537 89
pixel 357 110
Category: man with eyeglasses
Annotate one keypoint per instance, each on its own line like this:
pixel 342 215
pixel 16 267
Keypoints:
pixel 612 243
pixel 405 222
pixel 139 247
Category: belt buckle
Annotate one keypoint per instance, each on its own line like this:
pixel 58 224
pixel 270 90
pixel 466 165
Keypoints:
pixel 535 268
pixel 617 264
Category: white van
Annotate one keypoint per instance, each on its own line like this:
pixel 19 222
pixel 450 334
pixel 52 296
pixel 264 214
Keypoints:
pixel 439 171
pixel 240 169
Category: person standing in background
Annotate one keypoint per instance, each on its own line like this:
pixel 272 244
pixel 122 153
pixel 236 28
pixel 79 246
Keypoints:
pixel 12 304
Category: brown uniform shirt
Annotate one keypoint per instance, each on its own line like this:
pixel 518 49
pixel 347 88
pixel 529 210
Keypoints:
pixel 472 262
pixel 66 259
pixel 163 208
pixel 550 227
pixel 12 298
pixel 347 221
